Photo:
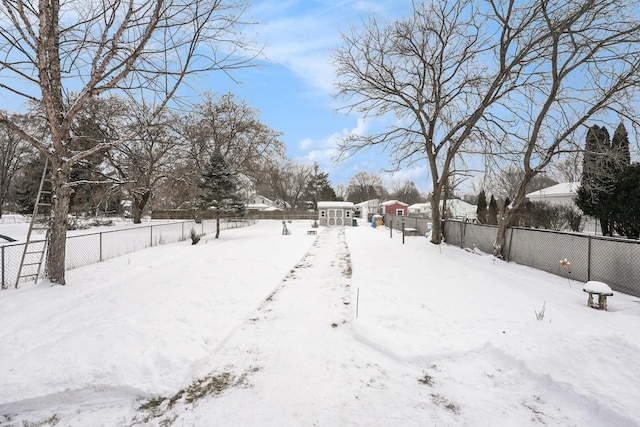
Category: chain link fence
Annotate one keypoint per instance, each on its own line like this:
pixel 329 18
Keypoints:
pixel 91 248
pixel 615 261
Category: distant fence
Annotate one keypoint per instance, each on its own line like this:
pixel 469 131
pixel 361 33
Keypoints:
pixel 615 261
pixel 253 215
pixel 92 248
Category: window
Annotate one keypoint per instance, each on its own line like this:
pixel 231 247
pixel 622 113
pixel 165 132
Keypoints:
pixel 323 214
pixel 400 212
pixel 348 214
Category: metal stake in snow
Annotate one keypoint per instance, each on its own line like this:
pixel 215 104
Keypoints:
pixel 357 302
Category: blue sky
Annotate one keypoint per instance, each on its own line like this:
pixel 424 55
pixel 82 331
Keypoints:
pixel 293 89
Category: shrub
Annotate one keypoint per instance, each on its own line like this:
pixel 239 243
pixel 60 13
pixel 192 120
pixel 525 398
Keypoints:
pixel 195 237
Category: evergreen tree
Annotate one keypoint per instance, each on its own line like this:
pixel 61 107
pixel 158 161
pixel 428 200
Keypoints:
pixel 482 207
pixel 492 215
pixel 620 147
pixel 319 188
pixel 219 190
pixel 626 202
pixel 598 178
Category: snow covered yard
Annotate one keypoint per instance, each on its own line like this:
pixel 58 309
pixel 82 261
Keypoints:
pixel 258 328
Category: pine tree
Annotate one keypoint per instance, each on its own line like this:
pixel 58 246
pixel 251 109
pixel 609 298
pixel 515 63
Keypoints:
pixel 598 178
pixel 219 190
pixel 626 204
pixel 319 188
pixel 482 207
pixel 620 147
pixel 492 215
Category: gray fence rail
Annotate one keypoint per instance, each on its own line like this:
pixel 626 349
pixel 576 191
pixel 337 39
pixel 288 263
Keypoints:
pixel 615 261
pixel 96 247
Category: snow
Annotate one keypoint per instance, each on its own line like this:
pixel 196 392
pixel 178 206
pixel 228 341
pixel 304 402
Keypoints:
pixel 562 189
pixel 20 229
pixel 349 327
pixel 597 287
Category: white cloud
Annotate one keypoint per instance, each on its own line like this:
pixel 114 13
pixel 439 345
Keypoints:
pixel 325 149
pixel 419 174
pixel 301 35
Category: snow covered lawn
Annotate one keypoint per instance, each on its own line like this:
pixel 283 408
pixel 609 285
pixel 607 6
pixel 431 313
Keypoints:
pixel 260 329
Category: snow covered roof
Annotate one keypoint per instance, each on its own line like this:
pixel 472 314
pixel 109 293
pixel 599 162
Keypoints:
pixel 258 206
pixel 456 207
pixel 393 202
pixel 420 206
pixel 369 203
pixel 559 190
pixel 324 205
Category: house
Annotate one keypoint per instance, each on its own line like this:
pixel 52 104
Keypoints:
pixel 460 209
pixel 335 213
pixel 366 208
pixel 559 194
pixel 263 204
pixel 456 208
pixel 420 209
pixel 394 207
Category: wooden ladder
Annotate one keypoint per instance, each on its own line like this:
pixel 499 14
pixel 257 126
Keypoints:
pixel 35 247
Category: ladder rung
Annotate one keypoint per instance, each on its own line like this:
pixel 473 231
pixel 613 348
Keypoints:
pixel 31 263
pixel 34 252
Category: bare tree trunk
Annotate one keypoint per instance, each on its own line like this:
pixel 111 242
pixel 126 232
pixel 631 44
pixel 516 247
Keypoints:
pixel 138 206
pixel 605 227
pixel 436 225
pixel 56 251
pixel 509 211
pixel 217 225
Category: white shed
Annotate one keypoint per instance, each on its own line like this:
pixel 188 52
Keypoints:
pixel 335 213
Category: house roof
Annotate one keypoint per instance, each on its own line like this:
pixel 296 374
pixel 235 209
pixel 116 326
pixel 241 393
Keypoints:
pixel 559 190
pixel 420 206
pixel 259 206
pixel 456 207
pixel 369 202
pixel 393 202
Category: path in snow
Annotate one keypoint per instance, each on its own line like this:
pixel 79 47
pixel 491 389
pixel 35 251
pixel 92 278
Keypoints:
pixel 295 358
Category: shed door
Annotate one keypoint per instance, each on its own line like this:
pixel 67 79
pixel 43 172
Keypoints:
pixel 336 217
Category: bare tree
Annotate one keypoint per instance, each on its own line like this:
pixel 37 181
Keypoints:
pixel 144 162
pixel 364 186
pixel 405 191
pixel 506 182
pixel 144 49
pixel 232 128
pixel 588 67
pixel 289 180
pixel 341 191
pixel 438 72
pixel 569 169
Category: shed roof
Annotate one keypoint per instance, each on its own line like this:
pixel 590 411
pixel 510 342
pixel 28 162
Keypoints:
pixel 325 205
